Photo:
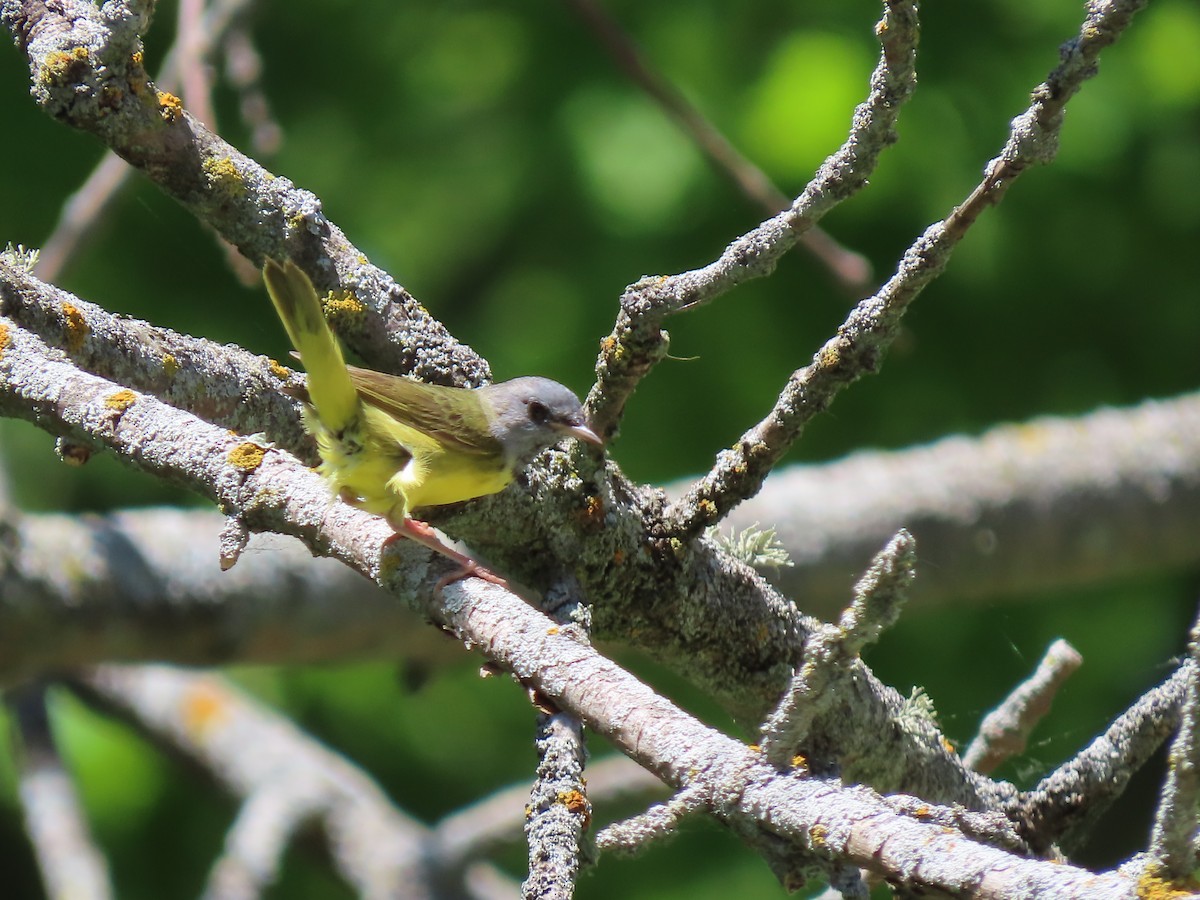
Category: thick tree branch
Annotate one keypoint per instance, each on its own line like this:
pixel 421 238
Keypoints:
pixel 86 68
pixel 1021 508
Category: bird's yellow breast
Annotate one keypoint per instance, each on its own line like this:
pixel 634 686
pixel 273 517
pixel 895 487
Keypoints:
pixel 388 468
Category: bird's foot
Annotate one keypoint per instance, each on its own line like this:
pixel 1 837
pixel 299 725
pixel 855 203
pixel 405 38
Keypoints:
pixel 424 534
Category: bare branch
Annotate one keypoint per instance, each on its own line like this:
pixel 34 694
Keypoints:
pixel 857 349
pixel 851 270
pixel 637 342
pixel 72 866
pixel 1006 729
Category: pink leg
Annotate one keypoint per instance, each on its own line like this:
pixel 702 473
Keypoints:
pixel 424 534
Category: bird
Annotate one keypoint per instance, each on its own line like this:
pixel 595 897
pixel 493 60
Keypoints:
pixel 390 444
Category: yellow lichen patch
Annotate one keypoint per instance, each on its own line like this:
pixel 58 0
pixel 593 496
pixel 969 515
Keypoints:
pixel 170 365
pixel 76 327
pixel 224 176
pixel 1156 884
pixel 283 373
pixel 5 340
pixel 170 107
pixel 204 708
pixel 799 761
pixel 948 745
pixel 828 357
pixel 817 836
pixel 707 509
pixel 121 400
pixel 341 306
pixel 64 66
pixel 137 58
pixel 552 630
pixel 246 456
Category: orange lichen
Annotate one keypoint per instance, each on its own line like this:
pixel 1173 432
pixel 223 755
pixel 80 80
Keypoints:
pixel 246 457
pixel 5 339
pixel 121 400
pixel 204 707
pixel 170 107
pixel 283 373
pixel 76 327
pixel 577 803
pixel 64 66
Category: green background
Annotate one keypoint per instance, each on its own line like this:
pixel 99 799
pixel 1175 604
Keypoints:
pixel 493 159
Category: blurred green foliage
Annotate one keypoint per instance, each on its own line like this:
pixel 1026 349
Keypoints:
pixel 493 159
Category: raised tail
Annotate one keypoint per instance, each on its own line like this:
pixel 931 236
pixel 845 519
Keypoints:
pixel 329 386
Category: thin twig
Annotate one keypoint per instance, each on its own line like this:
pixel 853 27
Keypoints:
pixel 858 347
pixel 660 821
pixel 851 270
pixel 1006 729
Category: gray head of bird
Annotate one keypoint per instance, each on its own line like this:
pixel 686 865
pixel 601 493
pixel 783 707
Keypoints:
pixel 530 414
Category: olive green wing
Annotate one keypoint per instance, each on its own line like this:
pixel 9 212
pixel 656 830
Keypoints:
pixel 454 417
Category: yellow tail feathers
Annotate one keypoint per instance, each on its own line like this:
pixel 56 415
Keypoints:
pixel 329 386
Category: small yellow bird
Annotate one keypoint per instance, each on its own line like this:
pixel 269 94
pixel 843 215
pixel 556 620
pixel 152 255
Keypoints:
pixel 390 444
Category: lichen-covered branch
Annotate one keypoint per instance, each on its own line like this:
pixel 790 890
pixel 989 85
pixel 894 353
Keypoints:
pixel 87 70
pixel 1064 806
pixel 559 811
pixel 858 347
pixel 847 824
pixel 831 653
pixel 638 342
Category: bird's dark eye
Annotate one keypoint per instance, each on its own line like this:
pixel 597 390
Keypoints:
pixel 539 413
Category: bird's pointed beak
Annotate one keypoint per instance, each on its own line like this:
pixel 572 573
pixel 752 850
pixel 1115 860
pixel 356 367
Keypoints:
pixel 581 433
